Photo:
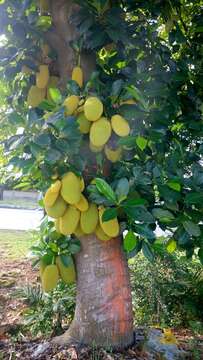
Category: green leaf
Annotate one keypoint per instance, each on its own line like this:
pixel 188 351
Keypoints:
pixel 109 214
pixel 134 202
pixel 53 156
pixel 174 185
pixel 192 228
pixel 55 95
pixel 42 140
pixel 66 260
pixel 137 95
pixel 200 254
pixel 128 141
pixel 194 198
pixel 139 213
pixel 147 251
pixel 74 247
pixel 122 189
pixel 130 241
pixel 171 246
pixel 116 87
pixel 163 215
pixel 144 231
pixel 105 189
pixel 141 142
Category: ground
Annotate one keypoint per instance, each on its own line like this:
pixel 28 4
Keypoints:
pixel 16 272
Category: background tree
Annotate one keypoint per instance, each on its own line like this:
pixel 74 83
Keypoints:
pixel 143 61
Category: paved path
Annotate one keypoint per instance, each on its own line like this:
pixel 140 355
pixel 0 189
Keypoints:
pixel 16 219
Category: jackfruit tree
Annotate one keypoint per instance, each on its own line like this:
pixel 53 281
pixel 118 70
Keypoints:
pixel 105 118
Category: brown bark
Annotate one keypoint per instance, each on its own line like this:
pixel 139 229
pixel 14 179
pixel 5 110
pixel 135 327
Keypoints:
pixel 103 314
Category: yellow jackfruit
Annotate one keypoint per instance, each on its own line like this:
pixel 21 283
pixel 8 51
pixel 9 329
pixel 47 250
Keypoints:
pixel 42 267
pixel 113 155
pixel 67 274
pixel 50 278
pixel 82 184
pixel 69 221
pixel 77 75
pixel 101 234
pixel 84 124
pixel 100 132
pixel 93 108
pixel 45 49
pixel 52 194
pixel 89 219
pixel 95 149
pixel 58 209
pixel 80 109
pixel 35 96
pixel 70 189
pixel 56 222
pixel 71 104
pixel 78 232
pixel 42 77
pixel 111 227
pixel 82 205
pixel 120 126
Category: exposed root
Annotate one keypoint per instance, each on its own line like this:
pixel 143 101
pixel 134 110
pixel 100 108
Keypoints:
pixel 64 340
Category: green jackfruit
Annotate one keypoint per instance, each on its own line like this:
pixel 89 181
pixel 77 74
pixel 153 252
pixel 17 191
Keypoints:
pixel 89 219
pixel 120 126
pixel 50 278
pixel 82 205
pixel 69 221
pixel 42 267
pixel 67 274
pixel 35 96
pixel 71 104
pixel 95 149
pixel 52 194
pixel 77 75
pixel 100 132
pixel 71 188
pixel 101 234
pixel 113 155
pixel 58 209
pixel 42 77
pixel 93 108
pixel 111 227
pixel 84 124
pixel 82 184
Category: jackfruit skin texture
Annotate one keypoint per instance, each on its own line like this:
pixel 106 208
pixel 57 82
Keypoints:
pixel 89 219
pixel 78 232
pixel 58 209
pixel 71 104
pixel 35 96
pixel 93 108
pixel 52 194
pixel 42 77
pixel 82 205
pixel 84 124
pixel 42 267
pixel 71 188
pixel 67 274
pixel 113 155
pixel 95 149
pixel 101 234
pixel 120 126
pixel 50 278
pixel 69 221
pixel 111 227
pixel 100 132
pixel 77 75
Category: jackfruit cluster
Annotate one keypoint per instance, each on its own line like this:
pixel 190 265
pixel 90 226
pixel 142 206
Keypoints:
pixel 73 214
pixel 90 117
pixel 50 274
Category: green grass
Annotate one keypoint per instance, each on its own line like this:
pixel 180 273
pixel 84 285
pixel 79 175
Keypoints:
pixel 15 244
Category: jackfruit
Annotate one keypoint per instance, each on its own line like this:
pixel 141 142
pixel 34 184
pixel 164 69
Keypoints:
pixel 111 227
pixel 71 104
pixel 44 5
pixel 42 77
pixel 93 108
pixel 100 132
pixel 84 124
pixel 42 267
pixel 58 209
pixel 89 219
pixel 95 149
pixel 57 222
pixel 82 184
pixel 35 96
pixel 67 274
pixel 52 193
pixel 120 125
pixel 70 189
pixel 113 155
pixel 128 102
pixel 50 278
pixel 45 49
pixel 101 234
pixel 53 83
pixel 77 75
pixel 82 205
pixel 78 232
pixel 69 221
pixel 26 70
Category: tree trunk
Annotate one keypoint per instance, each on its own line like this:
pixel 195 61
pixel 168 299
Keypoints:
pixel 103 314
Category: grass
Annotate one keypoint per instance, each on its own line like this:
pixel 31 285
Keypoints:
pixel 15 244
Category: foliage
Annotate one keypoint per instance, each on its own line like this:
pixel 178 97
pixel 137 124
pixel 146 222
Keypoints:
pixel 167 293
pixel 146 51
